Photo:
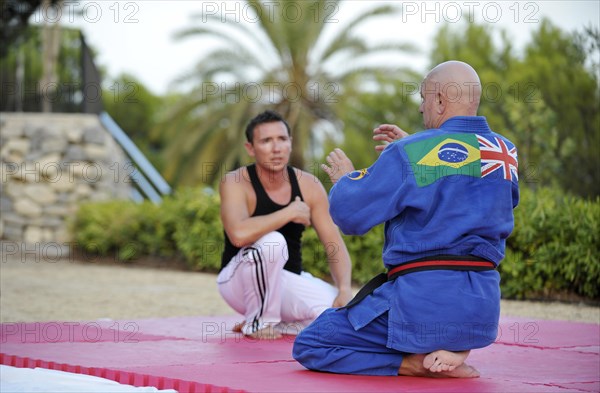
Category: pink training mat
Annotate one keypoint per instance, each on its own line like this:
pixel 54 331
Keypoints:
pixel 202 354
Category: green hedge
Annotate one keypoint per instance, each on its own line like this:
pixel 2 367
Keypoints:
pixel 187 224
pixel 365 253
pixel 123 229
pixel 554 248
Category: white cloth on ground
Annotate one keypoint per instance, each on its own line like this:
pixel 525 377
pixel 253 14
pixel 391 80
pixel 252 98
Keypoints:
pixel 28 380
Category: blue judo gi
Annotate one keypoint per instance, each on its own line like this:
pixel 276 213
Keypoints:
pixel 446 191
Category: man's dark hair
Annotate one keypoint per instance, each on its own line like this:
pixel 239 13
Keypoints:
pixel 267 116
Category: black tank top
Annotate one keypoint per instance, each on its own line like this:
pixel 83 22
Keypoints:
pixel 264 205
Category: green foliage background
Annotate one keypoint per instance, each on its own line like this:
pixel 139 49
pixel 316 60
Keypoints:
pixel 68 72
pixel 547 104
pixel 553 250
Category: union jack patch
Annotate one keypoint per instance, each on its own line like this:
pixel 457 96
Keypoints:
pixel 498 158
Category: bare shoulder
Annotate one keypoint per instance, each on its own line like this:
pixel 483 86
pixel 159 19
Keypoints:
pixel 310 185
pixel 235 180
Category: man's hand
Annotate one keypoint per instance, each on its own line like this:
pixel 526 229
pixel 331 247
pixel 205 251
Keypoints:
pixel 387 133
pixel 343 297
pixel 339 165
pixel 300 212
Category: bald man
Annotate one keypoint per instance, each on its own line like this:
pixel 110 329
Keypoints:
pixel 446 196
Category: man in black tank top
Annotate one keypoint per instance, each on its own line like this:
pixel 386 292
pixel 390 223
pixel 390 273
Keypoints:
pixel 265 207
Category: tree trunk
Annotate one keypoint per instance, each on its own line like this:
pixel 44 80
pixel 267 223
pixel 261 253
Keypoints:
pixel 298 135
pixel 50 48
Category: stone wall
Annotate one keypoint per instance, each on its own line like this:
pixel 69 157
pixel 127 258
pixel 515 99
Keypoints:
pixel 50 164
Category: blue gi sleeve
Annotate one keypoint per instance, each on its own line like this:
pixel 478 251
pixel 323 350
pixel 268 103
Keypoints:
pixel 515 193
pixel 368 197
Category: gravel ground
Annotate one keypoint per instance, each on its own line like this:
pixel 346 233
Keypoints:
pixel 68 290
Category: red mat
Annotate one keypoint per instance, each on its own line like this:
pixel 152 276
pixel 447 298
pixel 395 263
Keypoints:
pixel 201 354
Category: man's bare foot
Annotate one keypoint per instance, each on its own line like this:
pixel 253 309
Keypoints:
pixel 267 333
pixel 414 365
pixel 441 360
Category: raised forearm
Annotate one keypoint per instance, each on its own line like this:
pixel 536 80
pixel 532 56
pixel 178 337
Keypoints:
pixel 249 230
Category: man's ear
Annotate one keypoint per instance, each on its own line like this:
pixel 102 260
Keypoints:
pixel 249 149
pixel 441 103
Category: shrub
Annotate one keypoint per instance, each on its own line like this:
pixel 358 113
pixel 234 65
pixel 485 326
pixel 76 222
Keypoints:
pixel 198 230
pixel 107 228
pixel 365 254
pixel 553 249
pixel 124 229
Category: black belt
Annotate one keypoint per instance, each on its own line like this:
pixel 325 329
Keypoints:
pixel 440 262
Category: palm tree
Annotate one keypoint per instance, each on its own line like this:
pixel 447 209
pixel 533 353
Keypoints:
pixel 283 59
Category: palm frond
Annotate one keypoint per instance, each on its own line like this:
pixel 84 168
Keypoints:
pixel 276 54
pixel 345 35
pixel 230 33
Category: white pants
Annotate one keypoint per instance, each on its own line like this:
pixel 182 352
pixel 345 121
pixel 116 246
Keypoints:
pixel 255 284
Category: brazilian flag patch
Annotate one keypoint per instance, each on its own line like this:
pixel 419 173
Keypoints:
pixel 446 155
